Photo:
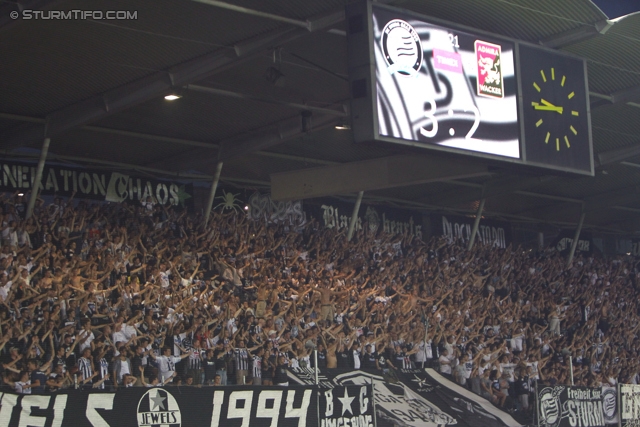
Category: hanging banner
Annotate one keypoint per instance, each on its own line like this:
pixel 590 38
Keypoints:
pixel 567 406
pixel 610 405
pixel 263 208
pixel 564 240
pixel 410 398
pixel 346 406
pixel 335 214
pixel 177 407
pixel 629 405
pixel 490 232
pixel 93 184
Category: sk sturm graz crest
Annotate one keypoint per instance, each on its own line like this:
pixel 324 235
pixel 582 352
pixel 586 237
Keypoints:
pixel 402 48
pixel 550 410
pixel 609 405
pixel 158 408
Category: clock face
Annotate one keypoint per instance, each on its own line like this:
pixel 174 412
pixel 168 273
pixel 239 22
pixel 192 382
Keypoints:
pixel 555 112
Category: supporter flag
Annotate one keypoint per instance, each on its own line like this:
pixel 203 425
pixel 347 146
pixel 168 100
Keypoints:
pixel 413 397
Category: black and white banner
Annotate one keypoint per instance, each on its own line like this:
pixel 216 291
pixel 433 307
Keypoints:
pixel 335 214
pixel 564 240
pixel 629 405
pixel 564 406
pixel 186 407
pixel 92 184
pixel 411 398
pixel 490 232
pixel 346 406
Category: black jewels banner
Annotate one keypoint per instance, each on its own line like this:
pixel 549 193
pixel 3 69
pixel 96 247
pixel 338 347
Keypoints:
pixel 567 406
pixel 408 398
pixel 93 184
pixel 629 405
pixel 186 407
pixel 490 232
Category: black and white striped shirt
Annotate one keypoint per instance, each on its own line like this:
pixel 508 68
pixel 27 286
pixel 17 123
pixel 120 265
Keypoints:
pixel 84 366
pixel 195 360
pixel 242 359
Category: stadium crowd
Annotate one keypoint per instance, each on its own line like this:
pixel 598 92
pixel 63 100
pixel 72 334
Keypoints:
pixel 118 295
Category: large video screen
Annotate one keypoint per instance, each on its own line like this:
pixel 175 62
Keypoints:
pixel 440 86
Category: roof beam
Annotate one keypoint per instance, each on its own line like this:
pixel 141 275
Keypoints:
pixel 157 84
pixel 522 192
pixel 577 35
pixel 494 188
pixel 276 135
pixel 210 90
pixel 612 198
pixel 253 143
pixel 258 13
pixel 368 175
pixel 180 141
pixel 618 154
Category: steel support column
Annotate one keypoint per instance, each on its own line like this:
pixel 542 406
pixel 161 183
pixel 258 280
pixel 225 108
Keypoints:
pixel 476 224
pixel 354 216
pixel 574 244
pixel 212 193
pixel 35 187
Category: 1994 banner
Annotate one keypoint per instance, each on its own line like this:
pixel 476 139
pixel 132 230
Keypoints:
pixel 188 406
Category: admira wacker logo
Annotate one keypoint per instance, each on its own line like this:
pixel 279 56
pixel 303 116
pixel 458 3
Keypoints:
pixel 158 408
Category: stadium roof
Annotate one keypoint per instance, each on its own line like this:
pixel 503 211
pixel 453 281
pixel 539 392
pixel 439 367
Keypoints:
pixel 97 87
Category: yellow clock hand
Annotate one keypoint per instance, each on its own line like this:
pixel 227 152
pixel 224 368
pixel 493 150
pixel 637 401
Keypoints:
pixel 547 103
pixel 549 108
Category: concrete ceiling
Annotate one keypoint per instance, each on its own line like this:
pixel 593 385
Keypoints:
pixel 97 86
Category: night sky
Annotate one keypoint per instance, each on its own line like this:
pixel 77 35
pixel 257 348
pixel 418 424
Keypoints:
pixel 617 8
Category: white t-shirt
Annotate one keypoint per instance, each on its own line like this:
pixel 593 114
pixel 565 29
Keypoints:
pixel 356 359
pixel 166 366
pixel 445 364
pixel 87 342
pixel 19 387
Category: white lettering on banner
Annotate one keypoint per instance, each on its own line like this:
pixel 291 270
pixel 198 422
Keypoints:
pixel 566 242
pixel 274 412
pixel 52 181
pixel 630 404
pixel 58 410
pixel 244 412
pixel 364 400
pixel 585 413
pixel 263 207
pixel 120 187
pixel 359 421
pixel 332 219
pixel 494 236
pixel 218 401
pixel 99 401
pixel 301 412
pixel 328 396
pixel 28 403
pixel 8 403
